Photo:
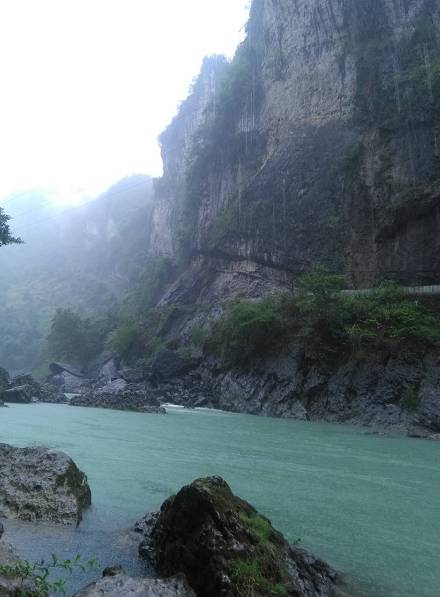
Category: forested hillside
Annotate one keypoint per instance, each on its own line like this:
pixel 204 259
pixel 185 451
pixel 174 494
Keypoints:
pixel 90 258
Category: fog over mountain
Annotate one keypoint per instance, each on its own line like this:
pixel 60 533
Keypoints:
pixel 81 257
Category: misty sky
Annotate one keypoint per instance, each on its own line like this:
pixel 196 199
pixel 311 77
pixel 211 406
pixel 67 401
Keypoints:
pixel 87 85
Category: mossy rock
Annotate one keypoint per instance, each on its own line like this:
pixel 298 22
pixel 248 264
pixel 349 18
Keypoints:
pixel 226 548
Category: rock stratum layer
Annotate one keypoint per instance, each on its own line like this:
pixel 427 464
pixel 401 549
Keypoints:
pixel 41 484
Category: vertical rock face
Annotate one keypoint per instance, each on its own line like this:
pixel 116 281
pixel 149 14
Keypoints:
pixel 176 143
pixel 318 143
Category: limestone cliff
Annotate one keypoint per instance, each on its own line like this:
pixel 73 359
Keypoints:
pixel 319 142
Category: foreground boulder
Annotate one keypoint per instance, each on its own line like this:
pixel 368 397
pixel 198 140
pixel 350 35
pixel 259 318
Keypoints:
pixel 115 583
pixel 226 548
pixel 41 484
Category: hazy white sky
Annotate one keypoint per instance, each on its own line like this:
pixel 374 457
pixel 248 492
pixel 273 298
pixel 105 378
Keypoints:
pixel 87 85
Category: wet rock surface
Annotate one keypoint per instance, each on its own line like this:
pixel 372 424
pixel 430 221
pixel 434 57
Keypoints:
pixel 134 397
pixel 115 583
pixel 226 548
pixel 393 391
pixel 41 484
pixel 398 392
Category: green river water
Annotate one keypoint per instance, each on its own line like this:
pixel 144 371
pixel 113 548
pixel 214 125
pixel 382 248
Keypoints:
pixel 369 505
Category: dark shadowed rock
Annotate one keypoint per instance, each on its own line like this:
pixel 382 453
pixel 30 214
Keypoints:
pixel 24 388
pixel 132 397
pixel 132 374
pixel 19 394
pixel 169 364
pixel 41 484
pixel 24 379
pixel 50 393
pixel 114 387
pixel 226 548
pixel 104 367
pixel 118 584
pixel 4 379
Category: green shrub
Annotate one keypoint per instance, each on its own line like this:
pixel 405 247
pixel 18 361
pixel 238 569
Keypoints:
pixel 320 312
pixel 248 329
pixel 185 352
pixel 37 574
pixel 321 283
pixel 410 397
pixel 199 336
pixel 128 341
pixel 248 577
pixel 75 338
pixel 259 526
pixel 388 318
pixel 146 281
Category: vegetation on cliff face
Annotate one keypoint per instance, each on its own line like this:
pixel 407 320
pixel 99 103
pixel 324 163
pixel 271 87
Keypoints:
pixel 319 314
pixel 325 319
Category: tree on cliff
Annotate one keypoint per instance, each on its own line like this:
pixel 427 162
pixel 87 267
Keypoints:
pixel 76 339
pixel 5 233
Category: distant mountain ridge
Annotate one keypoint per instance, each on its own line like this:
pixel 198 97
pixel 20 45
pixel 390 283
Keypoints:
pixel 82 257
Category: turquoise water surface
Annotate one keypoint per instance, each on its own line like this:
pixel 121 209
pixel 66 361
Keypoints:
pixel 370 505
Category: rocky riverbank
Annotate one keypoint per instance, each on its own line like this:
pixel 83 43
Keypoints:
pixel 396 392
